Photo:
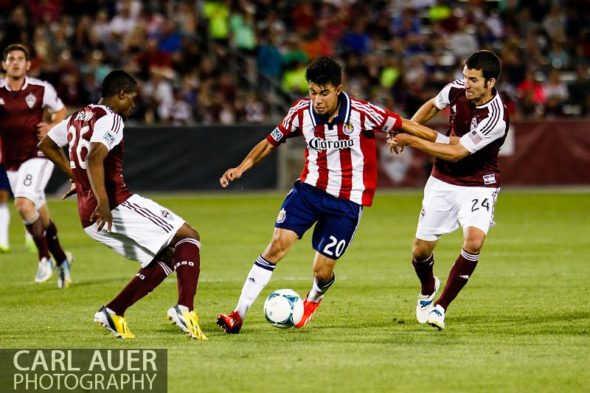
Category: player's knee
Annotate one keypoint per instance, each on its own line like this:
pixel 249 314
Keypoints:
pixel 188 232
pixel 421 251
pixel 26 209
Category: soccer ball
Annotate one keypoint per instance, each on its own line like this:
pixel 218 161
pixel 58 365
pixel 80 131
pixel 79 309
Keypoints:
pixel 283 308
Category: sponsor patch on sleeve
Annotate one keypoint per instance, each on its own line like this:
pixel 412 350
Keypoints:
pixel 489 179
pixel 276 134
pixel 475 137
pixel 109 138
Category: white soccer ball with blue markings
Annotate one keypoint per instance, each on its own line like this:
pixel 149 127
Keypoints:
pixel 283 308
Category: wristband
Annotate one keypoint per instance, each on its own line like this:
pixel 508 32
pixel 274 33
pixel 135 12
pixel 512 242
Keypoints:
pixel 440 138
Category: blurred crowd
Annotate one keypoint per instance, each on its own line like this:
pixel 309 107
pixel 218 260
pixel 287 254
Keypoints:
pixel 231 61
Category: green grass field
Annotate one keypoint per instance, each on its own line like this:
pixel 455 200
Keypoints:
pixel 522 323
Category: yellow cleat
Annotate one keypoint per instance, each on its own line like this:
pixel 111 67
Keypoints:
pixel 116 324
pixel 187 320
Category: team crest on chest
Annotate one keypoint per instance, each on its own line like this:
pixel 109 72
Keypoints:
pixel 348 128
pixel 30 100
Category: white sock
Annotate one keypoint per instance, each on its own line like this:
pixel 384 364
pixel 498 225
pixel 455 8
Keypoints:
pixel 4 224
pixel 257 279
pixel 317 291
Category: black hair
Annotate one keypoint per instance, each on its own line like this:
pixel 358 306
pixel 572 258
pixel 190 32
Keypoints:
pixel 13 47
pixel 117 81
pixel 324 71
pixel 488 62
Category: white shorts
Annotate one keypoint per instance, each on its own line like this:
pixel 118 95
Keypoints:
pixel 445 206
pixel 30 180
pixel 141 229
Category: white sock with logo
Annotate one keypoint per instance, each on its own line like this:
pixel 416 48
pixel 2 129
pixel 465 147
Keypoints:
pixel 4 224
pixel 257 279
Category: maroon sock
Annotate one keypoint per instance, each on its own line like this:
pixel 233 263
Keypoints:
pixel 423 268
pixel 38 234
pixel 143 283
pixel 53 243
pixel 187 263
pixel 458 276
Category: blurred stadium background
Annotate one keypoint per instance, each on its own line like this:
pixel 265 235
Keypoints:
pixel 216 75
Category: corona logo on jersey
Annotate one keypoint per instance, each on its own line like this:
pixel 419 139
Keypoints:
pixel 321 144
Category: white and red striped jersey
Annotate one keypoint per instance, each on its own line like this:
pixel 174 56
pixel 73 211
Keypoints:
pixel 340 156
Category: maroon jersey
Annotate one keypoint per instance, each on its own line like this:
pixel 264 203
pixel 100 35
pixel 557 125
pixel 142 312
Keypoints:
pixel 482 130
pixel 94 123
pixel 20 112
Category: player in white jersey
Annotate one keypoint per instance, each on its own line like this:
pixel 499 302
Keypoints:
pixel 337 180
pixel 465 179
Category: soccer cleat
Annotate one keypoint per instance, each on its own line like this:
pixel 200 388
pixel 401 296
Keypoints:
pixel 309 309
pixel 187 320
pixel 116 324
pixel 425 303
pixel 436 317
pixel 64 278
pixel 44 271
pixel 231 323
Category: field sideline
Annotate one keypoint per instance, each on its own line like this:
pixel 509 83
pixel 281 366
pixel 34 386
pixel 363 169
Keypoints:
pixel 521 324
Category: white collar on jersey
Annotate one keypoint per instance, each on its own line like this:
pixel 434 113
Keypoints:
pixel 22 88
pixel 343 113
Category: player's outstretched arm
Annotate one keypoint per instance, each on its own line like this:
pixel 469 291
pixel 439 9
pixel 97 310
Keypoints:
pixel 95 170
pixel 426 112
pixel 453 151
pixel 257 154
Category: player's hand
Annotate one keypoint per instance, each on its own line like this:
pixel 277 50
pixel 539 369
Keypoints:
pixel 230 175
pixel 42 130
pixel 102 216
pixel 70 192
pixel 397 142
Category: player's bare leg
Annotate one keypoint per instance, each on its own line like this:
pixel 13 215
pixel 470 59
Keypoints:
pixel 460 273
pixel 259 276
pixel 323 279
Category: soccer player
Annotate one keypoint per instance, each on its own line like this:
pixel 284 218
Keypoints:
pixel 337 180
pixel 135 227
pixel 465 180
pixel 24 103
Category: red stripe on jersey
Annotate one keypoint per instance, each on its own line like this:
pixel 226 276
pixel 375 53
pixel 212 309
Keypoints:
pixel 369 149
pixel 305 170
pixel 345 166
pixel 322 161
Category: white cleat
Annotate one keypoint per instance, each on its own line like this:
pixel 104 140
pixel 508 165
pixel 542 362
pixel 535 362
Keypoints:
pixel 424 305
pixel 44 271
pixel 64 277
pixel 436 317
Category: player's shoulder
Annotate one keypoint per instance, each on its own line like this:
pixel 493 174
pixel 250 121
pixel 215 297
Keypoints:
pixel 32 81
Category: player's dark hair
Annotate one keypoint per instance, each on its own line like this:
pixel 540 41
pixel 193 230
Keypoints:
pixel 324 71
pixel 488 62
pixel 13 47
pixel 117 81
